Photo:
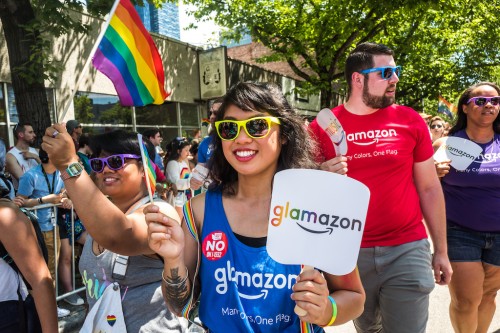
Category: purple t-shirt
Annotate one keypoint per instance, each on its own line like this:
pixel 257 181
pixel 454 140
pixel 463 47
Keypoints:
pixel 473 195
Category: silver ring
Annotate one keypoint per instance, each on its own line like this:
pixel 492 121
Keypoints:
pixel 55 133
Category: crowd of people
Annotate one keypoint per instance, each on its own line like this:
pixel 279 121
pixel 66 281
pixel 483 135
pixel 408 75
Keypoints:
pixel 151 262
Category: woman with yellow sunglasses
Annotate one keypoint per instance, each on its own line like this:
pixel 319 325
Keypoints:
pixel 224 235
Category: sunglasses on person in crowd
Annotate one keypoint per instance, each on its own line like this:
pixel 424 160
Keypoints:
pixel 114 162
pixel 436 126
pixel 255 128
pixel 480 100
pixel 386 72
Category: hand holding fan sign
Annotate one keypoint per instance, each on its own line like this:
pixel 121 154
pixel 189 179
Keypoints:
pixel 331 125
pixel 323 230
pixel 461 152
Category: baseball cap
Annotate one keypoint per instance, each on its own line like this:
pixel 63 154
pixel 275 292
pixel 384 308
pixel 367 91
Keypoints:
pixel 71 125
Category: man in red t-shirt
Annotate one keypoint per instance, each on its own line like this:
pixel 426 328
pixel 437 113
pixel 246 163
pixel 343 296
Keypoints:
pixel 390 151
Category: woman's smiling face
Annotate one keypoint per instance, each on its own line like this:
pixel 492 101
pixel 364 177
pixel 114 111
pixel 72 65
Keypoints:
pixel 249 156
pixel 118 182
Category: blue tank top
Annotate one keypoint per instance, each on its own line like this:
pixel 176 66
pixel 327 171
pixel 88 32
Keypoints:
pixel 473 196
pixel 242 289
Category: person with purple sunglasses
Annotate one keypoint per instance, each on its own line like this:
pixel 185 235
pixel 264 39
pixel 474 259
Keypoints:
pixel 116 252
pixel 472 198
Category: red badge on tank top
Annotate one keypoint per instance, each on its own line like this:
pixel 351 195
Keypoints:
pixel 214 246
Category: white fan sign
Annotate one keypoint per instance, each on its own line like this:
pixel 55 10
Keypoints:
pixel 321 224
pixel 331 125
pixel 460 151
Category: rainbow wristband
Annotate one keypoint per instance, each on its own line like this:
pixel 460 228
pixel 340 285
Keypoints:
pixel 334 311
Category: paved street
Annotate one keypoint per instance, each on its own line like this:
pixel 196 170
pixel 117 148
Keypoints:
pixel 439 321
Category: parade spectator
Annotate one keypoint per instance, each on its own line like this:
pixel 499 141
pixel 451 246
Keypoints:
pixel 179 172
pixel 437 126
pixel 42 185
pixel 8 188
pixel 246 157
pixel 22 157
pixel 390 151
pixel 206 146
pixel 116 249
pixel 472 208
pixel 84 151
pixel 154 136
pixel 75 129
pixel 196 135
pixel 18 237
pixel 426 117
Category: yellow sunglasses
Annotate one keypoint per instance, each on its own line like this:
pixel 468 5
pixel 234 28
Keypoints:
pixel 255 128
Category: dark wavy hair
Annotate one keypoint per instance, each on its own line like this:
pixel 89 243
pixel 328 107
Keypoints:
pixel 462 117
pixel 297 147
pixel 119 142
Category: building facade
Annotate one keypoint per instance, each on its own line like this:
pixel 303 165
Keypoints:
pixel 96 104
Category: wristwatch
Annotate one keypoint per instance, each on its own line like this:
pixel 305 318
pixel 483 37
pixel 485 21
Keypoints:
pixel 73 170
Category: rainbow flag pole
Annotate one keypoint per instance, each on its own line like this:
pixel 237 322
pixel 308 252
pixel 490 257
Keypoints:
pixel 89 59
pixel 149 172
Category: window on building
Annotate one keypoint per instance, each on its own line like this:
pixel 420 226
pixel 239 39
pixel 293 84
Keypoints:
pixel 157 115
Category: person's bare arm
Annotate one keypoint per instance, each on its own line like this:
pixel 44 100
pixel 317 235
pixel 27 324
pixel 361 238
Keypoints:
pixel 180 252
pixel 18 237
pixel 432 204
pixel 24 201
pixel 31 156
pixel 13 167
pixel 313 288
pixel 106 223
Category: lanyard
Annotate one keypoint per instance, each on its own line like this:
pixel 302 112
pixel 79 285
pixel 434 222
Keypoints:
pixel 51 189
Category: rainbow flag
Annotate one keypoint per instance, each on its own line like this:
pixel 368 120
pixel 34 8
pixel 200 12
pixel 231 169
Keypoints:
pixel 446 107
pixel 149 170
pixel 205 122
pixel 128 56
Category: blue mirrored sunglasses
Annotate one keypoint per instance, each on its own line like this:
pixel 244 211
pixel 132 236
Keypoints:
pixel 386 72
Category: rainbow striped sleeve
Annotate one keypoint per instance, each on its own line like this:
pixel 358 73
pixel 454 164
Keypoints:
pixel 128 56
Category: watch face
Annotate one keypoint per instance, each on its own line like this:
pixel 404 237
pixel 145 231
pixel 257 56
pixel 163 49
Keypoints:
pixel 74 169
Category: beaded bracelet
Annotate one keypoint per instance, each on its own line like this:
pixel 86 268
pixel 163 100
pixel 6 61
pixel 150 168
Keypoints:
pixel 175 284
pixel 334 311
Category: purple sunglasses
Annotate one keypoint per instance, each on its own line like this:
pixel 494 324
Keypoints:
pixel 481 100
pixel 114 162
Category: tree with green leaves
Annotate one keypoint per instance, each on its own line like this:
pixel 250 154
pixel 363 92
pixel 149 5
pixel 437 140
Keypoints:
pixel 83 108
pixel 443 46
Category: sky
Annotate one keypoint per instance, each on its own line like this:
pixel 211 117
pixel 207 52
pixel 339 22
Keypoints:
pixel 206 35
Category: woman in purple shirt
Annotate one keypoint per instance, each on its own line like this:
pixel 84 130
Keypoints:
pixel 472 210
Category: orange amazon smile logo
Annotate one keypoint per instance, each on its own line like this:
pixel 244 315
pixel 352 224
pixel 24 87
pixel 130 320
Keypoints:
pixel 305 219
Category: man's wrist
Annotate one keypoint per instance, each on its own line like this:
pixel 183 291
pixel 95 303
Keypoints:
pixel 40 200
